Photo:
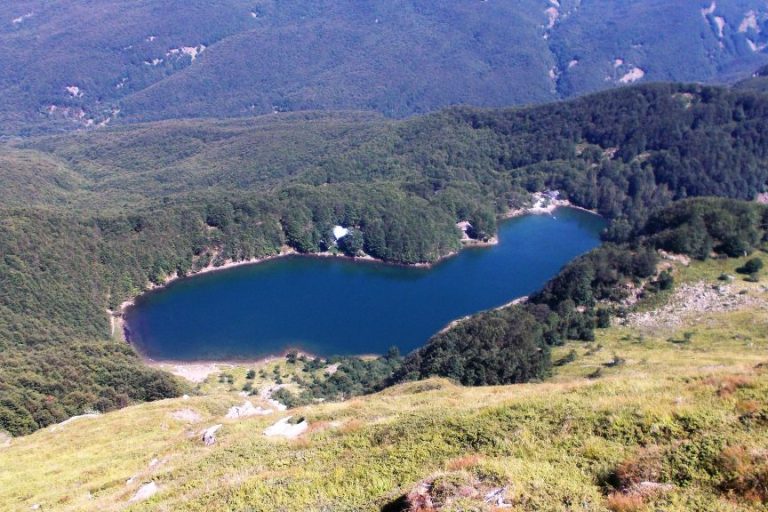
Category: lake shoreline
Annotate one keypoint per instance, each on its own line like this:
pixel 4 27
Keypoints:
pixel 198 370
pixel 117 320
pixel 121 330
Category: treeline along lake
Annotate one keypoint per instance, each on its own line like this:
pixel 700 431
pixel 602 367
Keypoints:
pixel 335 306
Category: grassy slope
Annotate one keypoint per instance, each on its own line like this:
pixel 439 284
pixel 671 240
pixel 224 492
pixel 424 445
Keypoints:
pixel 552 442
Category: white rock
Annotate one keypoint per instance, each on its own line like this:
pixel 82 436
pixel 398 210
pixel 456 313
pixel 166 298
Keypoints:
pixel 145 492
pixel 340 232
pixel 277 405
pixel 285 429
pixel 246 410
pixel 552 16
pixel 74 91
pixel 16 21
pixel 190 51
pixel 720 24
pixel 633 75
pixel 209 435
pixel 74 418
pixel 749 22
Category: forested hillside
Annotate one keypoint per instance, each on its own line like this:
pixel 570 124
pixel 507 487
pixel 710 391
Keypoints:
pixel 80 64
pixel 234 190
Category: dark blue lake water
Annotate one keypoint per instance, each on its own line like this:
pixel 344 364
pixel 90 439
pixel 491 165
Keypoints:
pixel 334 306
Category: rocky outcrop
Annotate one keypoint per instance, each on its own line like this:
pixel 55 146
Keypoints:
pixel 209 435
pixel 694 301
pixel 246 410
pixel 286 428
pixel 145 492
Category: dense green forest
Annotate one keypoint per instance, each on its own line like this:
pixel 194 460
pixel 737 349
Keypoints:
pixel 513 344
pixel 70 64
pixel 109 222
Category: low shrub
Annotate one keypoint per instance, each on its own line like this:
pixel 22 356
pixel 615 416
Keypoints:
pixel 752 266
pixel 745 473
pixel 727 385
pixel 567 359
pixel 645 466
pixel 620 502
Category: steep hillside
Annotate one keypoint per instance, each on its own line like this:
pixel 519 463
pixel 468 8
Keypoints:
pixel 649 416
pixel 680 133
pixel 120 168
pixel 93 219
pixel 75 64
pixel 758 82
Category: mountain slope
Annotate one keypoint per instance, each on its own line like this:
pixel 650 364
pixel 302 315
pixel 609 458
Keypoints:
pixel 118 168
pixel 107 213
pixel 637 405
pixel 74 64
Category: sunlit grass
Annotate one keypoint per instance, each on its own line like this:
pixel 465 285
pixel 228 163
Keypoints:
pixel 554 444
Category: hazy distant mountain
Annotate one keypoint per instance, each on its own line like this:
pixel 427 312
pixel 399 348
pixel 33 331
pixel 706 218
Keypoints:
pixel 77 63
pixel 757 82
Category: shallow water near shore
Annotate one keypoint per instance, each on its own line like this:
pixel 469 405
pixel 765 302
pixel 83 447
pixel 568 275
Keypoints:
pixel 328 306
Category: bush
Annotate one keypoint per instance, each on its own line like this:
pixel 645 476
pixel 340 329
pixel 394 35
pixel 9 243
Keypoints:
pixel 603 318
pixel 567 359
pixel 616 361
pixel 645 466
pixel 745 473
pixel 292 400
pixel 352 243
pixel 620 502
pixel 665 281
pixel 752 266
pixel 595 374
